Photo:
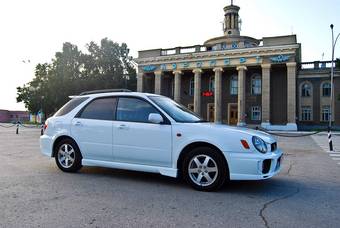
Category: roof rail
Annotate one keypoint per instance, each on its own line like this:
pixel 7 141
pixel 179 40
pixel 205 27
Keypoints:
pixel 104 91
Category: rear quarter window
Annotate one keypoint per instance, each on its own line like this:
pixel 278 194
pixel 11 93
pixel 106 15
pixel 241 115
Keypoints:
pixel 69 106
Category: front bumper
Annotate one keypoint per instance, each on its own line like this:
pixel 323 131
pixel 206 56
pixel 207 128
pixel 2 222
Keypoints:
pixel 254 166
pixel 46 144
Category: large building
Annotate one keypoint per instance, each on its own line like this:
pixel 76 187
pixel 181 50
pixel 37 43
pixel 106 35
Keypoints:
pixel 240 80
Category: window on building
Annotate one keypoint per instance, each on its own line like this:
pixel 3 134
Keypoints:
pixel 212 84
pixel 256 113
pixel 326 113
pixel 306 113
pixel 192 87
pixel 306 90
pixel 326 89
pixel 233 85
pixel 256 85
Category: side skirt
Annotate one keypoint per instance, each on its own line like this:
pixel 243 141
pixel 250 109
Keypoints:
pixel 170 172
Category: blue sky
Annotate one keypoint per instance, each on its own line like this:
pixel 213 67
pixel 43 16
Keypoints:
pixel 36 29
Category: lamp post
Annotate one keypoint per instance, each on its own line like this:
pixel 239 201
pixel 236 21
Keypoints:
pixel 332 90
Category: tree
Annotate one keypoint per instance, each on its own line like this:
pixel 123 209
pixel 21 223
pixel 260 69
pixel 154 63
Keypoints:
pixel 104 66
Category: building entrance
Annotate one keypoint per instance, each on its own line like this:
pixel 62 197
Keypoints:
pixel 211 112
pixel 232 114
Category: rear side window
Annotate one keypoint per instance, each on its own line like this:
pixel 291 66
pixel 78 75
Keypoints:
pixel 100 109
pixel 69 106
pixel 134 110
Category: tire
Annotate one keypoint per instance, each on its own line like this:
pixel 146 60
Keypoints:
pixel 205 169
pixel 68 156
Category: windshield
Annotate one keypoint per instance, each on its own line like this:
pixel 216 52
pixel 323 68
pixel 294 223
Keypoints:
pixel 178 112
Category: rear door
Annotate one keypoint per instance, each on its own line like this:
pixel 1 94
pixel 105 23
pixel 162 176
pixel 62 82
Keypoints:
pixel 92 128
pixel 135 139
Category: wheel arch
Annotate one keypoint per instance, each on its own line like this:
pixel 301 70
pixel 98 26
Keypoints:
pixel 194 145
pixel 59 139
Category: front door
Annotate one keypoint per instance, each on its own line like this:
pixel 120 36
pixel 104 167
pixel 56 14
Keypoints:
pixel 233 114
pixel 135 139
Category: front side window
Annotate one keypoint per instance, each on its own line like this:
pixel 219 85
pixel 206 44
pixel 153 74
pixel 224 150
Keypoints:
pixel 233 85
pixel 100 109
pixel 134 110
pixel 256 85
pixel 177 112
pixel 326 89
pixel 306 90
pixel 306 113
pixel 326 113
pixel 192 87
pixel 256 113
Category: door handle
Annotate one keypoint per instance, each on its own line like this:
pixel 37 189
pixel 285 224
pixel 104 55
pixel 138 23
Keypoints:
pixel 122 127
pixel 78 123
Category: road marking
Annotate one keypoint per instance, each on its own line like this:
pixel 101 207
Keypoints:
pixel 334 155
pixel 336 159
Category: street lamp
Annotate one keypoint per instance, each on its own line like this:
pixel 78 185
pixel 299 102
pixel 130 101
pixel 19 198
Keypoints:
pixel 332 90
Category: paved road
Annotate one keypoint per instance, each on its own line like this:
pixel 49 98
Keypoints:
pixel 34 193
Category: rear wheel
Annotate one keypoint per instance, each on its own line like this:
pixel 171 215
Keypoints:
pixel 67 156
pixel 205 169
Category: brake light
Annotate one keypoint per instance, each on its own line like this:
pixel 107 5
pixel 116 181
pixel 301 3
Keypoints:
pixel 45 126
pixel 245 144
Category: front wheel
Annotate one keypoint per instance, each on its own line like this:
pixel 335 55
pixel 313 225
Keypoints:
pixel 205 169
pixel 67 156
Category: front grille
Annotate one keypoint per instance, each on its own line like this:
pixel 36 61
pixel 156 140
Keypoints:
pixel 273 146
pixel 266 166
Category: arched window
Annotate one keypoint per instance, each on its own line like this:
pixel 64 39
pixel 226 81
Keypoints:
pixel 256 84
pixel 192 87
pixel 212 84
pixel 306 90
pixel 326 89
pixel 233 85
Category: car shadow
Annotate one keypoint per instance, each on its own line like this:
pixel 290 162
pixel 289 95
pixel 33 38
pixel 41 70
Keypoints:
pixel 250 187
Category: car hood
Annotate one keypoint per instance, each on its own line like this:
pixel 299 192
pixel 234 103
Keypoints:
pixel 242 130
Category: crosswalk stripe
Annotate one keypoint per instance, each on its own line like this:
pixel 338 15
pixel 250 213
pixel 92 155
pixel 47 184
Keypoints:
pixel 334 155
pixel 336 159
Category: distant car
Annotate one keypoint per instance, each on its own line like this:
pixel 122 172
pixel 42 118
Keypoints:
pixel 152 133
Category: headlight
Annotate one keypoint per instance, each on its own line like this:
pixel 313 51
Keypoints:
pixel 259 144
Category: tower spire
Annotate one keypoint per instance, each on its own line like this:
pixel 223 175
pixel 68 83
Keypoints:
pixel 231 2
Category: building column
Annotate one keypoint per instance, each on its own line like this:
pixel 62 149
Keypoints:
pixel 140 82
pixel 197 90
pixel 158 82
pixel 265 95
pixel 241 99
pixel 218 94
pixel 177 84
pixel 291 96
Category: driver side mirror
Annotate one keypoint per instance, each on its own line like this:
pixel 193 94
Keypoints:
pixel 155 118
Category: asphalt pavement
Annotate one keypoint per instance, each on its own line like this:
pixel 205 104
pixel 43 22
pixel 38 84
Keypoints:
pixel 35 193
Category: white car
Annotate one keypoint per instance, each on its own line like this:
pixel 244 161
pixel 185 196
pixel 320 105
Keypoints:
pixel 152 133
